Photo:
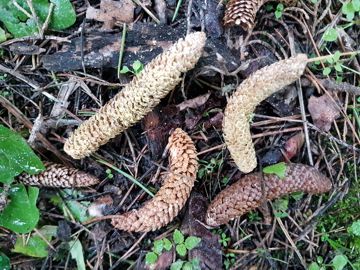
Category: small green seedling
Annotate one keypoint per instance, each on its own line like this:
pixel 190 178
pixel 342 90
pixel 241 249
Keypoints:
pixel 224 240
pixel 279 11
pixel 137 67
pixel 230 259
pixel 181 244
pixel 109 174
pixel 349 9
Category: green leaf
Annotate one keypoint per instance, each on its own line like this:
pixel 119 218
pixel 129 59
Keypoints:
pixel 326 71
pixel 348 10
pixel 336 56
pixel 2 38
pixel 167 244
pixel 356 5
pixel 338 67
pixel 76 251
pixel 151 258
pixel 18 24
pixel 137 66
pixel 124 70
pixel 330 35
pixel 21 214
pixel 4 262
pixel 278 14
pixel 63 15
pixel 181 249
pixel 191 242
pixel 187 266
pixel 178 237
pixel 158 246
pixel 314 266
pixel 278 169
pixel 16 156
pixel 339 262
pixel 355 228
pixel 177 265
pixel 78 209
pixel 35 246
pixel 297 196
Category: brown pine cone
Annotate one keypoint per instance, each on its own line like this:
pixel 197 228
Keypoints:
pixel 246 194
pixel 57 175
pixel 243 12
pixel 172 196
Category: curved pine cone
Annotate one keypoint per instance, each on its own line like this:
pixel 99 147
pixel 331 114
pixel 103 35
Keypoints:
pixel 243 12
pixel 246 194
pixel 138 97
pixel 257 87
pixel 57 175
pixel 172 196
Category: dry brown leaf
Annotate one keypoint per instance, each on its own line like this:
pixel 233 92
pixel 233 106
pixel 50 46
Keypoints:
pixel 111 12
pixel 57 175
pixel 293 145
pixel 194 102
pixel 323 111
pixel 172 196
pixel 246 194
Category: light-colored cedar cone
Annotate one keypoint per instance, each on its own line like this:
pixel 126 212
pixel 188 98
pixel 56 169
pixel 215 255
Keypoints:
pixel 138 97
pixel 239 109
pixel 172 196
pixel 243 12
pixel 246 194
pixel 57 175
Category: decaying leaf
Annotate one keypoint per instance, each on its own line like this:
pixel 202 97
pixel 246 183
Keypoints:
pixel 293 145
pixel 208 252
pixel 246 194
pixel 138 97
pixel 172 196
pixel 260 85
pixel 111 12
pixel 243 12
pixel 323 111
pixel 193 103
pixel 57 175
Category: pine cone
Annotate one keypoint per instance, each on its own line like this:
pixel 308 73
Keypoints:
pixel 172 196
pixel 137 98
pixel 260 85
pixel 57 175
pixel 243 12
pixel 246 194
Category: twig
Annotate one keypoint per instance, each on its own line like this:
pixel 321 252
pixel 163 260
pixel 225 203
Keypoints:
pixel 121 53
pixel 47 21
pixel 147 11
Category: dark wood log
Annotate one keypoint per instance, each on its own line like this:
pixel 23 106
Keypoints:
pixel 143 42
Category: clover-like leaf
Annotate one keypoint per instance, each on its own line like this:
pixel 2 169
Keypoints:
pixel 178 237
pixel 151 258
pixel 191 242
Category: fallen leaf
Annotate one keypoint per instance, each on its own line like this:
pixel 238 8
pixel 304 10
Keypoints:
pixel 208 252
pixel 111 12
pixel 293 145
pixel 193 103
pixel 215 121
pixel 323 111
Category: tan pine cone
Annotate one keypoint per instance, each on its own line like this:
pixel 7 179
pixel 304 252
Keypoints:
pixel 138 97
pixel 57 175
pixel 257 87
pixel 246 194
pixel 172 196
pixel 243 12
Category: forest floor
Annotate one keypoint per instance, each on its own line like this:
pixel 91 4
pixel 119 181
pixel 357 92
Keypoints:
pixel 49 85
